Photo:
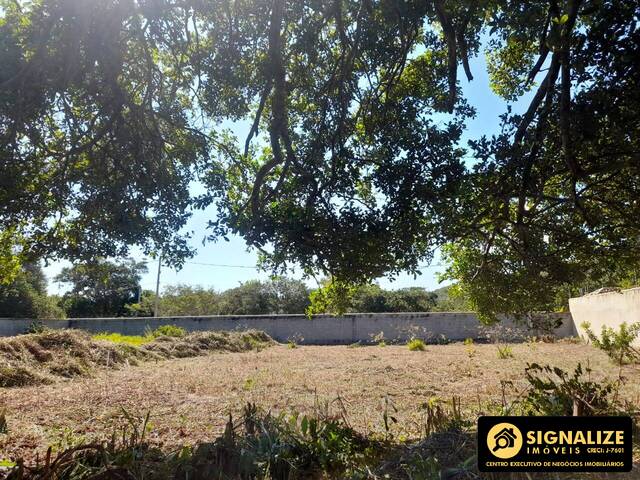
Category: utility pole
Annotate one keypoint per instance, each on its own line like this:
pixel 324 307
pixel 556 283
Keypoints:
pixel 156 303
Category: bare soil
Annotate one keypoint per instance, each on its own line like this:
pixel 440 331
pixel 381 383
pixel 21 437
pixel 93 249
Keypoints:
pixel 190 399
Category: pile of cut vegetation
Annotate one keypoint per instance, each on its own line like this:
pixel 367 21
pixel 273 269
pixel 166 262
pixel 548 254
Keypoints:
pixel 40 358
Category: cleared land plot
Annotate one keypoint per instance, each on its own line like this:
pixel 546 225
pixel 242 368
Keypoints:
pixel 190 399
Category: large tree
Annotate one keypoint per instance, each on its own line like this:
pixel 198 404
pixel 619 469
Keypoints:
pixel 353 163
pixel 276 296
pixel 26 296
pixel 102 288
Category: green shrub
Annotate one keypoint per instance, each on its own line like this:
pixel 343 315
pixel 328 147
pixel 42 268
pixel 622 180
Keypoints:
pixel 169 331
pixel 505 352
pixel 552 391
pixel 249 384
pixel 416 344
pixel 36 327
pixel 617 345
pixel 468 344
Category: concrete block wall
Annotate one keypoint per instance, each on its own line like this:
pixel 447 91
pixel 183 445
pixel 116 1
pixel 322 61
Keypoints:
pixel 320 330
pixel 610 309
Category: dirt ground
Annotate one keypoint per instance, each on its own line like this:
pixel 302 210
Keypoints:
pixel 190 399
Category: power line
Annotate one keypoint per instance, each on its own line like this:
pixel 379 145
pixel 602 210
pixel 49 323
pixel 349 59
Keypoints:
pixel 223 265
pixel 255 267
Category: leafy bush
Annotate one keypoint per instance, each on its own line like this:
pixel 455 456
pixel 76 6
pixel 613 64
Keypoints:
pixel 553 391
pixel 618 345
pixel 36 327
pixel 298 446
pixel 416 344
pixel 169 331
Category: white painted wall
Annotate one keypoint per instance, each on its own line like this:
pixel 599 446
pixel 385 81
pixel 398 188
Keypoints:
pixel 610 309
pixel 321 329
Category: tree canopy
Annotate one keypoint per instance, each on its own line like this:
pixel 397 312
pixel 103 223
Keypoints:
pixel 353 163
pixel 26 296
pixel 101 288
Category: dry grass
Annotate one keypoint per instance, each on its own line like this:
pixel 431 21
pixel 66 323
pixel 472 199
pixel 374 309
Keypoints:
pixel 190 399
pixel 43 358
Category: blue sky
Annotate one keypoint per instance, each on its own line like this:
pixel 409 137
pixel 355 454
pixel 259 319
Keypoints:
pixel 224 265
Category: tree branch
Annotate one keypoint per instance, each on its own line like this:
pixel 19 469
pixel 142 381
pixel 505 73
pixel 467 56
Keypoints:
pixel 462 41
pixel 452 61
pixel 256 120
pixel 278 129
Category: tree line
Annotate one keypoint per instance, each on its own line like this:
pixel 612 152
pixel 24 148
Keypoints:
pixel 104 288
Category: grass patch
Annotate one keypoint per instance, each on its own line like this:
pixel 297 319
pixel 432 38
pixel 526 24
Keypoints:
pixel 136 340
pixel 249 384
pixel 148 337
pixel 505 352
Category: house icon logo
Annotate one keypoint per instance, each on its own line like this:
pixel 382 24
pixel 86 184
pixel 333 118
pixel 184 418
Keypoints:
pixel 504 440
